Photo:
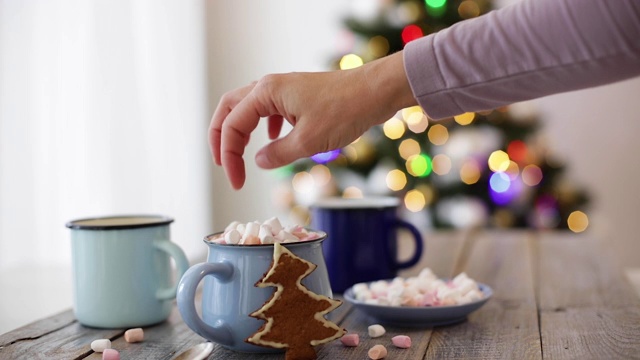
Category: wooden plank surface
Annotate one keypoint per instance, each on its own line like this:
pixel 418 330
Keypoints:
pixel 588 310
pixel 507 326
pixel 555 296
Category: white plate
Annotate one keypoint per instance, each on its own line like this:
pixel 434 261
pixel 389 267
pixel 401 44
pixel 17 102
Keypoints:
pixel 427 316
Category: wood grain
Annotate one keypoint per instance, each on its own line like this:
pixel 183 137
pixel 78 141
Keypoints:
pixel 557 295
pixel 507 326
pixel 588 310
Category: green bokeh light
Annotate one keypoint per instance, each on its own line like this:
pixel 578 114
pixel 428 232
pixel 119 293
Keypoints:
pixel 435 3
pixel 421 165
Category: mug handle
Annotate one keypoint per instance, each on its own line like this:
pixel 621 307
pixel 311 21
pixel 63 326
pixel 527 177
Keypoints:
pixel 223 271
pixel 182 264
pixel 418 241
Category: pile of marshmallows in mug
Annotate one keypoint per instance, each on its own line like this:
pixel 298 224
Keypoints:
pixel 268 232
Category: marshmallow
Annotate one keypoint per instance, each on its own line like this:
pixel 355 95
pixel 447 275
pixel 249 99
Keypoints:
pixel 250 240
pixel 265 235
pixel 252 228
pixel 286 236
pixel 100 345
pixel 376 330
pixel 275 225
pixel 350 340
pixel 232 237
pixel 134 335
pixel 110 354
pixel 232 226
pixel 401 341
pixel 377 352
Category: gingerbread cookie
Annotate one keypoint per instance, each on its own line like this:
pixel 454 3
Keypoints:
pixel 294 315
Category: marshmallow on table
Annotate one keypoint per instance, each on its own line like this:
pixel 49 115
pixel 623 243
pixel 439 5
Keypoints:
pixel 100 345
pixel 401 341
pixel 134 335
pixel 377 352
pixel 350 340
pixel 376 330
pixel 110 354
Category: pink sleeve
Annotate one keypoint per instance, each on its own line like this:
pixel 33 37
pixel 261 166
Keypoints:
pixel 524 51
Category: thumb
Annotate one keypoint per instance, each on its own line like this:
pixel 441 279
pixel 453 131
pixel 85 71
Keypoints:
pixel 279 152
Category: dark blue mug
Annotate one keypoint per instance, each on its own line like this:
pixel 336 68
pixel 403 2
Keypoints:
pixel 361 242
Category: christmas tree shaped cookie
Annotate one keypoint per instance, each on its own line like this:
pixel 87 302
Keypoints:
pixel 294 315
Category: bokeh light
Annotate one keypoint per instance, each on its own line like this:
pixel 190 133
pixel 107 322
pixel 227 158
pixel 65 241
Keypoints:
pixel 499 182
pixel 352 192
pixel 414 201
pixel 435 3
pixel 407 112
pixel 419 165
pixel 378 46
pixel 393 128
pixel 321 175
pixel 498 161
pixel 505 197
pixel 513 170
pixel 411 32
pixel 350 61
pixel 428 193
pixel 396 180
pixel 325 157
pixel 465 119
pixel 303 182
pixel 408 148
pixel 531 175
pixel 441 164
pixel 470 172
pixel 578 221
pixel 517 150
pixel 438 134
pixel 468 9
pixel 417 122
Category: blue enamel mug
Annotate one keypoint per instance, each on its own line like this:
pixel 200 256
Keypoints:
pixel 362 243
pixel 229 293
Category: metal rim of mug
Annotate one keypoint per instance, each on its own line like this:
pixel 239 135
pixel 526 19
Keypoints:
pixel 371 202
pixel 153 220
pixel 323 236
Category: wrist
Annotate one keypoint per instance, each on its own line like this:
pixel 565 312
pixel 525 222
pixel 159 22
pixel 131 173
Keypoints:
pixel 388 83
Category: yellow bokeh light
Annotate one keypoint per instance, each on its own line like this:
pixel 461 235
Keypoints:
pixel 414 201
pixel 513 170
pixel 578 221
pixel 352 192
pixel 428 193
pixel 470 172
pixel 465 119
pixel 302 182
pixel 468 9
pixel 417 122
pixel 408 148
pixel 531 175
pixel 321 175
pixel 378 46
pixel 407 112
pixel 393 128
pixel 499 161
pixel 351 153
pixel 350 61
pixel 438 134
pixel 441 164
pixel 396 180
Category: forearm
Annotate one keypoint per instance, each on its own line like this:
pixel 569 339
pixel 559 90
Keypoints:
pixel 524 51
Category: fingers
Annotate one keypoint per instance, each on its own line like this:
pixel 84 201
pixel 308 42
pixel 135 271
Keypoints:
pixel 281 152
pixel 228 101
pixel 237 128
pixel 275 126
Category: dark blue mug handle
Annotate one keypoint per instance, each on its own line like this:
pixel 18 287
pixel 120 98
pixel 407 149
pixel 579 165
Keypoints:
pixel 418 242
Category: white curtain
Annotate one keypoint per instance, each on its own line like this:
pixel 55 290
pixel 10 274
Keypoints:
pixel 103 110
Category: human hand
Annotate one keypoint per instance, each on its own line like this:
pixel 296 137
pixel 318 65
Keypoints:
pixel 328 110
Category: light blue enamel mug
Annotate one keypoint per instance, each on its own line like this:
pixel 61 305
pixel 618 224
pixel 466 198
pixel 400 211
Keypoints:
pixel 122 274
pixel 229 294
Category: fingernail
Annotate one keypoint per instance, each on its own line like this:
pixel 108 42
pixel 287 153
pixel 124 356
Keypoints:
pixel 262 160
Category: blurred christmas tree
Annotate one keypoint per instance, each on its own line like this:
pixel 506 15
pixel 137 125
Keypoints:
pixel 490 169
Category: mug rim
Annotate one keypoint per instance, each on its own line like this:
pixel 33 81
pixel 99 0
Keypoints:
pixel 151 221
pixel 323 236
pixel 367 202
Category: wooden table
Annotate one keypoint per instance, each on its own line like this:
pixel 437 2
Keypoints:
pixel 556 295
